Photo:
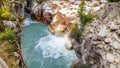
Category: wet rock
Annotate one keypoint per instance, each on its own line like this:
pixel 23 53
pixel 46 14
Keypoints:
pixel 60 24
pixel 115 44
pixel 69 43
pixel 47 18
pixel 37 12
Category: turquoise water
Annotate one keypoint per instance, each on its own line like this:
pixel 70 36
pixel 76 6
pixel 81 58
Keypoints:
pixel 43 50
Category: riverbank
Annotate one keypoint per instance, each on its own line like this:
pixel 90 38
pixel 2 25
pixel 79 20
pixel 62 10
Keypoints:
pixel 10 29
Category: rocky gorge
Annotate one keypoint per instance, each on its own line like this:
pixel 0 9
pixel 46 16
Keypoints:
pixel 99 44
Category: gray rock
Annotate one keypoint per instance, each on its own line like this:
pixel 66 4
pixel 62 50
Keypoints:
pixel 103 32
pixel 110 57
pixel 3 64
pixel 108 40
pixel 113 26
pixel 115 44
pixel 118 31
pixel 113 66
pixel 16 54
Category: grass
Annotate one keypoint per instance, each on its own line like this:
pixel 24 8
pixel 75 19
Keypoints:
pixel 8 34
pixel 7 52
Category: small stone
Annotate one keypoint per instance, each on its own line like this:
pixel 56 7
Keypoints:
pixel 115 44
pixel 108 40
pixel 118 31
pixel 3 63
pixel 112 66
pixel 113 26
pixel 16 54
pixel 110 57
pixel 103 32
pixel 118 65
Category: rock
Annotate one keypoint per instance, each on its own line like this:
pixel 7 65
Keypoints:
pixel 72 0
pixel 11 24
pixel 108 40
pixel 113 66
pixel 60 24
pixel 16 54
pixel 47 18
pixel 115 44
pixel 110 57
pixel 113 26
pixel 103 32
pixel 68 44
pixel 118 31
pixel 19 8
pixel 3 63
pixel 37 12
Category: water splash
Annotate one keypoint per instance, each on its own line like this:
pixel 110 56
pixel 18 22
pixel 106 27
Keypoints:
pixel 53 47
pixel 28 20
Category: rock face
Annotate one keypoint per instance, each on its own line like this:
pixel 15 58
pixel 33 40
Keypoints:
pixel 3 64
pixel 59 14
pixel 100 46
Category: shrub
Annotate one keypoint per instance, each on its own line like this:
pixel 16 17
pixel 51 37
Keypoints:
pixel 40 1
pixel 76 33
pixel 12 18
pixel 85 17
pixel 4 12
pixel 8 34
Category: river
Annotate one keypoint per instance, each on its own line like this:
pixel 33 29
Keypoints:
pixel 41 49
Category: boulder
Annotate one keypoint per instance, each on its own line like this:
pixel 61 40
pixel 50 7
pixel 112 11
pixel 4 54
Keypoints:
pixel 3 63
pixel 68 44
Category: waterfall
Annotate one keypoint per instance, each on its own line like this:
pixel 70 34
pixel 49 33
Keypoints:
pixel 28 20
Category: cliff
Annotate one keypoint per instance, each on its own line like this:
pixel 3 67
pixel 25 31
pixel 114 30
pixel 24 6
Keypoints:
pixel 99 45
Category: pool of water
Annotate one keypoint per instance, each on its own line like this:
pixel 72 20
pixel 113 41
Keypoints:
pixel 41 49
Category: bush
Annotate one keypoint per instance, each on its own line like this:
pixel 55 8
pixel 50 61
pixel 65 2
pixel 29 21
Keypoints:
pixel 12 18
pixel 8 34
pixel 85 17
pixel 40 1
pixel 4 12
pixel 76 33
pixel 113 0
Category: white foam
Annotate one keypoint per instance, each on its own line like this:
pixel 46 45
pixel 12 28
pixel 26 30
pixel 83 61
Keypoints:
pixel 53 47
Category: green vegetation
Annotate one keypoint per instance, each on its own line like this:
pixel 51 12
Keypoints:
pixel 113 0
pixel 40 1
pixel 12 18
pixel 85 17
pixel 8 34
pixel 7 50
pixel 4 12
pixel 76 33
